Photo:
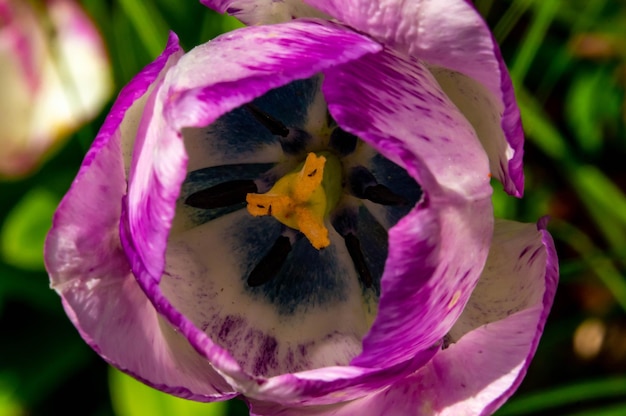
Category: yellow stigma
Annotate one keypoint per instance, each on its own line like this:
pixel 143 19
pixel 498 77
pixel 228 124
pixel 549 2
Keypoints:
pixel 302 199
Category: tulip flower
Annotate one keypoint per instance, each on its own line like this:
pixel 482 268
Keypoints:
pixel 299 214
pixel 55 76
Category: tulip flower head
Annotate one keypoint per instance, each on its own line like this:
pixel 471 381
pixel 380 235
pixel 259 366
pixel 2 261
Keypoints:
pixel 55 76
pixel 299 213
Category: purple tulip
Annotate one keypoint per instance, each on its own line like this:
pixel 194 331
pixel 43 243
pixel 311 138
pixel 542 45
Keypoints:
pixel 50 84
pixel 300 214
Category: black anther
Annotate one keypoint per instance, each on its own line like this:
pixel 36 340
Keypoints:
pixel 270 265
pixel 222 195
pixel 273 125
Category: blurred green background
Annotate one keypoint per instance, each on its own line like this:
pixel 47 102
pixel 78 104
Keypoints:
pixel 568 62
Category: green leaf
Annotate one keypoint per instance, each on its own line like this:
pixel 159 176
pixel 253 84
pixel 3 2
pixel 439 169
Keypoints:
pixel 565 395
pixel 539 127
pixel 132 398
pixel 584 115
pixel 580 115
pixel 214 25
pixel 509 19
pixel 579 20
pixel 148 22
pixel 9 405
pixel 614 410
pixel 504 206
pixel 25 228
pixel 605 201
pixel 544 14
pixel 593 258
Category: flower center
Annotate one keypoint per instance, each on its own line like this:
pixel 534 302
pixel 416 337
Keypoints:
pixel 303 198
pixel 283 156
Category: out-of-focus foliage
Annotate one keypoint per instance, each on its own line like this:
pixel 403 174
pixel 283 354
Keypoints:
pixel 568 62
pixel 132 398
pixel 25 228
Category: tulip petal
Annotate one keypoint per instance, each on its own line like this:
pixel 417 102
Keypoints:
pixel 89 270
pixel 518 251
pixel 237 67
pixel 484 112
pixel 205 84
pixel 209 81
pixel 237 138
pixel 50 85
pixel 259 12
pixel 477 373
pixel 436 252
pixel 205 280
pixel 461 44
pixel 207 267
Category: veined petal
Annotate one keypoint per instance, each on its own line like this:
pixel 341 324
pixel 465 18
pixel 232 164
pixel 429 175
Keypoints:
pixel 521 271
pixel 259 12
pixel 205 283
pixel 207 82
pixel 452 35
pixel 401 110
pixel 484 112
pixel 436 252
pixel 210 80
pixel 237 67
pixel 89 269
pixel 235 137
pixel 483 368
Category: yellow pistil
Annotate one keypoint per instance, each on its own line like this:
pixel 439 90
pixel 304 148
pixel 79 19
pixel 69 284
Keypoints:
pixel 302 199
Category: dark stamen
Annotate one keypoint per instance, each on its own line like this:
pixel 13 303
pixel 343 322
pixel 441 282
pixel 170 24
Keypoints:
pixel 269 122
pixel 222 195
pixel 345 223
pixel 330 121
pixel 342 141
pixel 295 142
pixel 354 249
pixel 365 186
pixel 380 194
pixel 270 265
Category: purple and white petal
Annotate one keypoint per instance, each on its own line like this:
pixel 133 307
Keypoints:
pixel 500 329
pixel 505 319
pixel 211 80
pixel 436 252
pixel 483 111
pixel 89 269
pixel 261 12
pixel 520 272
pixel 207 82
pixel 463 44
pixel 160 286
pixel 205 282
